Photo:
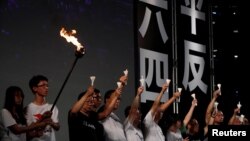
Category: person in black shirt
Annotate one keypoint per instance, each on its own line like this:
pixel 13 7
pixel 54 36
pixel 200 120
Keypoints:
pixel 82 118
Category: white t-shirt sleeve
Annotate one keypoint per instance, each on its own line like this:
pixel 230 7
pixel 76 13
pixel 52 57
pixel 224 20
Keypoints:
pixel 7 118
pixel 55 113
pixel 148 120
pixel 29 116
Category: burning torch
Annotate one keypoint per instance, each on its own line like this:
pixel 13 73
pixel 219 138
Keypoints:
pixel 79 52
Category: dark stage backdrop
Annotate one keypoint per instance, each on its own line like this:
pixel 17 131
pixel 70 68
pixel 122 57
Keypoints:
pixel 30 44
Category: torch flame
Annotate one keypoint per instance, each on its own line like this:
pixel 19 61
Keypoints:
pixel 70 38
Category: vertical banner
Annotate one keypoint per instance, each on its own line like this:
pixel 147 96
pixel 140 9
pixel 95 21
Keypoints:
pixel 154 43
pixel 193 52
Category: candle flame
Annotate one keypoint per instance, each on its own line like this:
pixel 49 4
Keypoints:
pixel 69 36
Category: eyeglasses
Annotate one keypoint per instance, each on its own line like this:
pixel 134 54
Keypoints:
pixel 43 85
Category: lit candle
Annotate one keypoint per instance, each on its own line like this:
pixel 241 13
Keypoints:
pixel 216 105
pixel 193 95
pixel 177 107
pixel 168 81
pixel 239 105
pixel 142 80
pixel 241 118
pixel 219 86
pixel 125 72
pixel 179 90
pixel 119 84
pixel 92 78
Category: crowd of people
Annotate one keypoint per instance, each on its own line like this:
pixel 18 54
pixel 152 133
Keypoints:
pixel 94 118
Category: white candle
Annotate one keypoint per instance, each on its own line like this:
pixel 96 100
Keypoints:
pixel 179 90
pixel 126 72
pixel 219 86
pixel 168 81
pixel 216 105
pixel 119 84
pixel 142 80
pixel 239 105
pixel 177 107
pixel 193 95
pixel 242 118
pixel 92 78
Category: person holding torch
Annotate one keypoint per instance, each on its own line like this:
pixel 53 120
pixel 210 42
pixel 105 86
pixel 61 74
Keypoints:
pixel 39 110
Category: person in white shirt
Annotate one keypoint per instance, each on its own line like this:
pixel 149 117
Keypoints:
pixel 113 128
pixel 39 110
pixel 176 128
pixel 133 119
pixel 152 130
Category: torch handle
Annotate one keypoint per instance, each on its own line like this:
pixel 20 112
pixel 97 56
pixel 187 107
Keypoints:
pixel 65 81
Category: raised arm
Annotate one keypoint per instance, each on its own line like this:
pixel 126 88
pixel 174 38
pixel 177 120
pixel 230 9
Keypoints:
pixel 216 94
pixel 157 101
pixel 109 107
pixel 190 112
pixel 135 104
pixel 165 105
pixel 231 120
pixel 78 105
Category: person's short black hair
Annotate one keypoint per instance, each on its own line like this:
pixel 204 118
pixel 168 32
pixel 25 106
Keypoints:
pixel 82 93
pixel 108 94
pixel 167 120
pixel 173 118
pixel 126 111
pixel 35 80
